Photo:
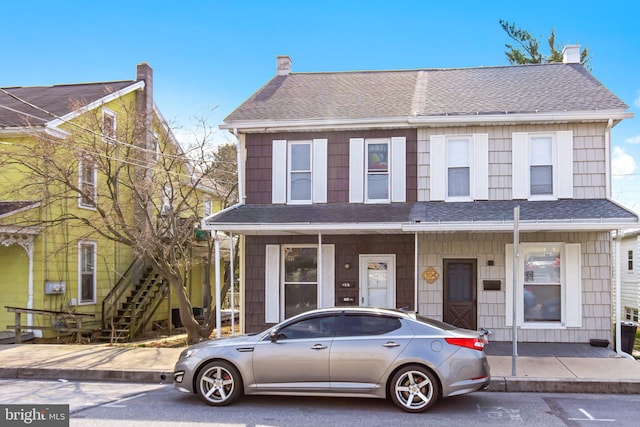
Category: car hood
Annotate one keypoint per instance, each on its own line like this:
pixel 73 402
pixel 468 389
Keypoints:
pixel 227 341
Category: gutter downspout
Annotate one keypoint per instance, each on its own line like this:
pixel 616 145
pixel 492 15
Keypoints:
pixel 607 156
pixel 241 195
pixel 618 338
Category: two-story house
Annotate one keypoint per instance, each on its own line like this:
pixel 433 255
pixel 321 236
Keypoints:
pixel 399 189
pixel 85 169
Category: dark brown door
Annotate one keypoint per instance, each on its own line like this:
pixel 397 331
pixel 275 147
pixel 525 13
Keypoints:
pixel 460 292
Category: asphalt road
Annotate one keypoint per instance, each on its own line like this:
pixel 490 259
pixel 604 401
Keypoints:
pixel 124 405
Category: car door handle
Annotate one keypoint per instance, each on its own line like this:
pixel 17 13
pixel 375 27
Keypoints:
pixel 390 344
pixel 318 347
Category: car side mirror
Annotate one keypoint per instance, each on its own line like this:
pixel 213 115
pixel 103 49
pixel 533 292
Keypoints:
pixel 273 335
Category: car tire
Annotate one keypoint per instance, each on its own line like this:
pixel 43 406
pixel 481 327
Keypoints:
pixel 414 388
pixel 219 383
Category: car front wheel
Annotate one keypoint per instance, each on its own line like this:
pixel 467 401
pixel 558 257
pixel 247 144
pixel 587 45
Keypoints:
pixel 219 383
pixel 414 389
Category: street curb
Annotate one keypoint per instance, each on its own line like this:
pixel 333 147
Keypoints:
pixel 497 384
pixel 563 385
pixel 151 377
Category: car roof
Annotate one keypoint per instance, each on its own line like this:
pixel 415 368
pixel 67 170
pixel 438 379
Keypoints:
pixel 360 310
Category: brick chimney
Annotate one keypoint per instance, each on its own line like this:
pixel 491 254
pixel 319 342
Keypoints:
pixel 283 65
pixel 571 54
pixel 144 100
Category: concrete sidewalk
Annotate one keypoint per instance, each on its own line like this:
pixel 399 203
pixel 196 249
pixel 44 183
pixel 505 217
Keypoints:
pixel 99 362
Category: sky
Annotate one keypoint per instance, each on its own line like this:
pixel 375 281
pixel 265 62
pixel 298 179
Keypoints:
pixel 210 56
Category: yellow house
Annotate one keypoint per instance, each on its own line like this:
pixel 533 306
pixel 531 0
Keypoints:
pixel 94 188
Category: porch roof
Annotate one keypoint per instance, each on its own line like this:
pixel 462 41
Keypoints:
pixel 480 216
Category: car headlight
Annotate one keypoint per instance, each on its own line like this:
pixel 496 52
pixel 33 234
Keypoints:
pixel 188 353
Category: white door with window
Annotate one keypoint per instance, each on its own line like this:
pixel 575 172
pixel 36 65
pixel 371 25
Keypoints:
pixel 378 281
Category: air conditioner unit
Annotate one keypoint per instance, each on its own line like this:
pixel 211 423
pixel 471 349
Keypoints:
pixel 54 288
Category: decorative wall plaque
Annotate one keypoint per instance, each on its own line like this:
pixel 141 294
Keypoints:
pixel 430 275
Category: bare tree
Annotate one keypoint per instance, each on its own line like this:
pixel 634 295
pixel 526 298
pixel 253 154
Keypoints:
pixel 142 189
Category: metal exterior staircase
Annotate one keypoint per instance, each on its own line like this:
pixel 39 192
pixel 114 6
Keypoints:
pixel 131 304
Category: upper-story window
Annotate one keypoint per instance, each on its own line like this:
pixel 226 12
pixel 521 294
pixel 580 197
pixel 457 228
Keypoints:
pixel 630 260
pixel 542 165
pixel 109 125
pixel 377 170
pixel 459 167
pixel 299 171
pixel 207 206
pixel 87 183
pixel 377 180
pixel 167 200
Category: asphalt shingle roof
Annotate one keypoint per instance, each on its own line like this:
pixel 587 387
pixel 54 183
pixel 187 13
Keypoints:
pixel 7 207
pixel 430 92
pixel 425 212
pixel 58 100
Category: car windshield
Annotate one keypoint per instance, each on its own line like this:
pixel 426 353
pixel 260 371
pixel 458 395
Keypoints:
pixel 432 322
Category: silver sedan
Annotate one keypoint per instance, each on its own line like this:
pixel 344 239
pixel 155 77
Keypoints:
pixel 355 351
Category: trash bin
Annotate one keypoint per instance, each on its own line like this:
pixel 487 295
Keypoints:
pixel 628 336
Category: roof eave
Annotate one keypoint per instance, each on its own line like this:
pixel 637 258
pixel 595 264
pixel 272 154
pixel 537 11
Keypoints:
pixel 17 132
pixel 606 224
pixel 262 126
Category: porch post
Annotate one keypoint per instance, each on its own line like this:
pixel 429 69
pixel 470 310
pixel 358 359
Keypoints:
pixel 30 300
pixel 516 254
pixel 216 245
pixel 232 278
pixel 415 272
pixel 319 267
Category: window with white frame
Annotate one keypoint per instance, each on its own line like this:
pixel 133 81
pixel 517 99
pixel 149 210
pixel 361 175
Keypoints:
pixel 300 172
pixel 87 272
pixel 630 260
pixel 167 200
pixel 377 170
pixel 109 125
pixel 459 167
pixel 87 183
pixel 207 205
pixel 300 285
pixel 631 314
pixel 542 165
pixel 542 286
pixel 298 278
pixel 155 148
pixel 549 287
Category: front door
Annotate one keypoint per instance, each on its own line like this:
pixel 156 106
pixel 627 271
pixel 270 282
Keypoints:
pixel 460 292
pixel 378 281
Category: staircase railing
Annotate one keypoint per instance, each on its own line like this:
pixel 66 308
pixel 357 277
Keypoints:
pixel 118 295
pixel 146 301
